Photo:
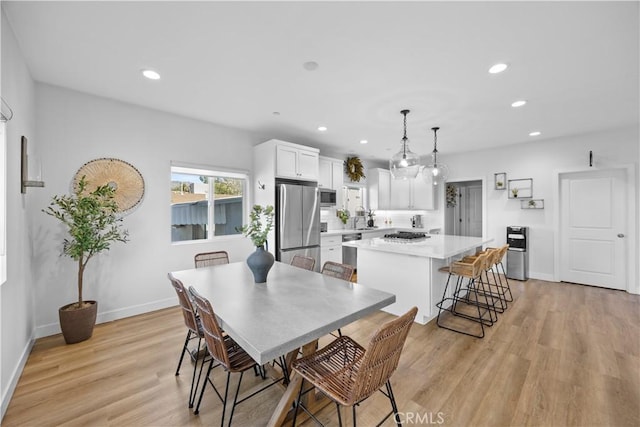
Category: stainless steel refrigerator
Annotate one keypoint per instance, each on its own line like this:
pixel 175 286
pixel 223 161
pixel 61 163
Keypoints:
pixel 297 221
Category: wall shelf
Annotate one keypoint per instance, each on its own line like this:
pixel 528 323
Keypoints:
pixel 532 204
pixel 520 188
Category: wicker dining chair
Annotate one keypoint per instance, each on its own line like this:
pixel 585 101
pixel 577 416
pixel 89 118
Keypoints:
pixel 207 259
pixel 340 271
pixel 223 350
pixel 302 261
pixel 194 330
pixel 348 374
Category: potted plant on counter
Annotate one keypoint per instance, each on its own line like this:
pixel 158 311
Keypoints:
pixel 92 225
pixel 343 214
pixel 260 261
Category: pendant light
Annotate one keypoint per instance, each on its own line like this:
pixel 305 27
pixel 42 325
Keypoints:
pixel 435 173
pixel 405 163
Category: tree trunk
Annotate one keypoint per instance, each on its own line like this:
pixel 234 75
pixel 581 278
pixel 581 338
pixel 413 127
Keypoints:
pixel 80 276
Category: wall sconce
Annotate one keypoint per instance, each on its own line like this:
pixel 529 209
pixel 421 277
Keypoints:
pixel 24 170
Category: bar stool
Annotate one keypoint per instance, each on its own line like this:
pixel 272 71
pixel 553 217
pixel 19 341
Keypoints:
pixel 506 288
pixel 466 276
pixel 491 288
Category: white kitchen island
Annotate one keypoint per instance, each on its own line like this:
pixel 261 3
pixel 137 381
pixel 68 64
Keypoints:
pixel 410 269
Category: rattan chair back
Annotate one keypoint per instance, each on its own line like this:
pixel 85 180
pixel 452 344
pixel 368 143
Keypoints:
pixel 492 257
pixel 503 251
pixel 381 357
pixel 471 268
pixel 207 259
pixel 213 336
pixel 340 271
pixel 302 261
pixel 188 311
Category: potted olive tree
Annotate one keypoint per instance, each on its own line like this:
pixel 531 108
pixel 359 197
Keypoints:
pixel 92 224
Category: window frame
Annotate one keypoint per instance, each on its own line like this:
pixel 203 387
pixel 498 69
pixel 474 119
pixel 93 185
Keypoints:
pixel 213 172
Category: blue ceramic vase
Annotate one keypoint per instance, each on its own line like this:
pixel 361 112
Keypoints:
pixel 260 262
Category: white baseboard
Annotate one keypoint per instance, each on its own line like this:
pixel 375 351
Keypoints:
pixel 541 276
pixel 108 316
pixel 7 394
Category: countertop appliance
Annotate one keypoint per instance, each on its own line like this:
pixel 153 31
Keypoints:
pixel 297 220
pixel 350 255
pixel 406 236
pixel 328 197
pixel 416 221
pixel 517 255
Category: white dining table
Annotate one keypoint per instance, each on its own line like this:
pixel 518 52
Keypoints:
pixel 292 310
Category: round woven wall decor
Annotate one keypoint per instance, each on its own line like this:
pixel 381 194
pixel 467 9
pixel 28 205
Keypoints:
pixel 118 174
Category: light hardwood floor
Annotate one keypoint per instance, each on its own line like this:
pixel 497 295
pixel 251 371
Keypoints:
pixel 561 355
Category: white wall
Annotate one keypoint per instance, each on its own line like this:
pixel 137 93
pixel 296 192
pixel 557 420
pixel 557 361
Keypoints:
pixel 542 160
pixel 17 293
pixel 74 128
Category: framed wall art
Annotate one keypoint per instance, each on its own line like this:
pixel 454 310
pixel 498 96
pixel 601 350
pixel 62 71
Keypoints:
pixel 500 181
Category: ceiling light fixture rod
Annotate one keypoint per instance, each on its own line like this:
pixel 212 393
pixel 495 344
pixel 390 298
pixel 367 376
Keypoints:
pixel 435 144
pixel 405 164
pixel 404 137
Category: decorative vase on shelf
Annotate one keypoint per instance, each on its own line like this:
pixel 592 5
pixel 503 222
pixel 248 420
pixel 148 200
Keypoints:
pixel 260 262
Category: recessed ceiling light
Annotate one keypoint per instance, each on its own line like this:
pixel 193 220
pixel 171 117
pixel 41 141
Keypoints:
pixel 519 103
pixel 151 75
pixel 535 133
pixel 322 128
pixel 498 68
pixel 363 141
pixel 276 113
pixel 310 66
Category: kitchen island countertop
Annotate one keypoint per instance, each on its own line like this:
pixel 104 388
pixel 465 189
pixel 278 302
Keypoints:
pixel 439 246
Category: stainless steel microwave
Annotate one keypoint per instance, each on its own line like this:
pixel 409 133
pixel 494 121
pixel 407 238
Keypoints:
pixel 327 197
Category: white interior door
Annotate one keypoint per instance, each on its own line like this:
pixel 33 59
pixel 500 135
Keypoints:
pixel 592 228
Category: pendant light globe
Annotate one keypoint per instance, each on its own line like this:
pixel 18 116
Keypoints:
pixel 405 164
pixel 435 173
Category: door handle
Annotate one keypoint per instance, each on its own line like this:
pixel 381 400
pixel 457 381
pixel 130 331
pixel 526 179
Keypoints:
pixel 620 235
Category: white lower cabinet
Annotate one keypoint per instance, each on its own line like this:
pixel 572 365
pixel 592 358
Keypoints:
pixel 330 249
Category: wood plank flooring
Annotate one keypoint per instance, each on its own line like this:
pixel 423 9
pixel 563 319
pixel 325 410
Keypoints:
pixel 561 355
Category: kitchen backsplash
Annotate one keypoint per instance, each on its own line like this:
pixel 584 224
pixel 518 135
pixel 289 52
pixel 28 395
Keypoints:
pixel 399 219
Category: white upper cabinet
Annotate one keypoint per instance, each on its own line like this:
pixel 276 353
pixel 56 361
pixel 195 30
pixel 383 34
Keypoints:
pixel 400 193
pixel 331 175
pixel 422 194
pixel 378 184
pixel 296 162
pixel 412 194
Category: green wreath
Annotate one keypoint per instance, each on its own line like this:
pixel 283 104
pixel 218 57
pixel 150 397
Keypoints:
pixel 354 169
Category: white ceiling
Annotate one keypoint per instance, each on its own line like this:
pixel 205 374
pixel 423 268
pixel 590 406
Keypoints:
pixel 235 63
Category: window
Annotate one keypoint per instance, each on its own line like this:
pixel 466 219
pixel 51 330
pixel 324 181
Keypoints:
pixel 206 203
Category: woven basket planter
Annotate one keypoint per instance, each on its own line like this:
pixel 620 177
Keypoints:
pixel 77 324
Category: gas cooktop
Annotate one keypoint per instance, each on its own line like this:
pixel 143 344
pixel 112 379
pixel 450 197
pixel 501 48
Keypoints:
pixel 405 236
